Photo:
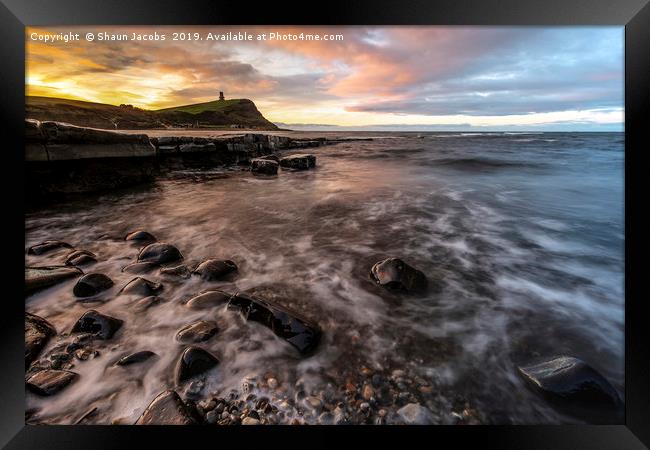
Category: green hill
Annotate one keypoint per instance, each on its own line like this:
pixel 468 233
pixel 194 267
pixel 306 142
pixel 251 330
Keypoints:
pixel 197 108
pixel 239 113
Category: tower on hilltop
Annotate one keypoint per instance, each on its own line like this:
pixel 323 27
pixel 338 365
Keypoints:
pixel 221 97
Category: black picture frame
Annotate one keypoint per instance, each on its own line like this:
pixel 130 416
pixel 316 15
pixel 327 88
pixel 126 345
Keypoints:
pixel 633 14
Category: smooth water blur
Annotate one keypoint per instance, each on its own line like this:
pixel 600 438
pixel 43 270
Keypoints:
pixel 520 235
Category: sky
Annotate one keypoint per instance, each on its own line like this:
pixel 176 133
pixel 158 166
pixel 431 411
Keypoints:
pixel 433 77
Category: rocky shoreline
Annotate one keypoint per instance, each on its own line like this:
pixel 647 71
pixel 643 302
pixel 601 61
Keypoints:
pixel 358 393
pixel 66 159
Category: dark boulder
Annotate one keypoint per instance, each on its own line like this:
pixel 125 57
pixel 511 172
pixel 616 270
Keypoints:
pixel 135 358
pixel 140 236
pixel 140 267
pixel 393 273
pixel 197 332
pixel 80 258
pixel 49 381
pixel 194 361
pixel 299 161
pixel 103 327
pixel 209 299
pixel 92 284
pixel 273 157
pixel 141 286
pixel 47 246
pixel 38 332
pixel 38 278
pixel 160 253
pixel 298 331
pixel 181 271
pixel 215 269
pixel 167 409
pixel 570 379
pixel 264 166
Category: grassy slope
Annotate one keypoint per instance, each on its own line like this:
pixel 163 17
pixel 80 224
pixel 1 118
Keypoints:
pixel 100 115
pixel 198 108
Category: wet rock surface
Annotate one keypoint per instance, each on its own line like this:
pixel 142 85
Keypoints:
pixel 192 362
pixel 38 278
pixel 49 382
pixel 215 269
pixel 97 324
pixel 298 161
pixel 301 333
pixel 92 284
pixel 80 258
pixel 415 414
pixel 264 166
pixel 167 409
pixel 181 271
pixel 145 303
pixel 197 332
pixel 142 286
pixel 38 332
pixel 140 267
pixel 47 246
pixel 209 299
pixel 160 253
pixel 395 274
pixel 140 236
pixel 135 358
pixel 571 380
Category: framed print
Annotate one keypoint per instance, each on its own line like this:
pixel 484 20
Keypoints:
pixel 380 219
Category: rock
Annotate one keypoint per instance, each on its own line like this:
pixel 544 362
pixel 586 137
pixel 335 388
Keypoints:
pixel 47 246
pixel 140 236
pixel 91 284
pixel 327 418
pixel 215 269
pixel 141 286
pixel 140 267
pixel 38 332
pixel 393 273
pixel 160 253
pixel 38 278
pixel 272 157
pixel 49 381
pixel 570 379
pixel 298 161
pixel 368 392
pixel 313 403
pixel 146 303
pixel 272 383
pixel 101 326
pixel 167 409
pixel 301 333
pixel 194 361
pixel 211 417
pixel 416 414
pixel 135 358
pixel 264 166
pixel 209 299
pixel 181 271
pixel 197 332
pixel 250 421
pixel 80 258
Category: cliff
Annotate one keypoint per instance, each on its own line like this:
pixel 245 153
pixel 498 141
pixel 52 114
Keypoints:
pixel 238 113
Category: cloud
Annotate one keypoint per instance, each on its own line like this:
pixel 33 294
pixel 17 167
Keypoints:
pixel 374 72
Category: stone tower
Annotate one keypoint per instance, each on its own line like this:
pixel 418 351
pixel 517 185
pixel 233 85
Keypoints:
pixel 221 96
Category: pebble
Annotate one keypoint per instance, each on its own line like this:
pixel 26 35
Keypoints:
pixel 368 392
pixel 250 421
pixel 211 417
pixel 272 383
pixel 313 403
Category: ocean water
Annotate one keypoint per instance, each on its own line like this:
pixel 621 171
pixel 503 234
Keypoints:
pixel 521 236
